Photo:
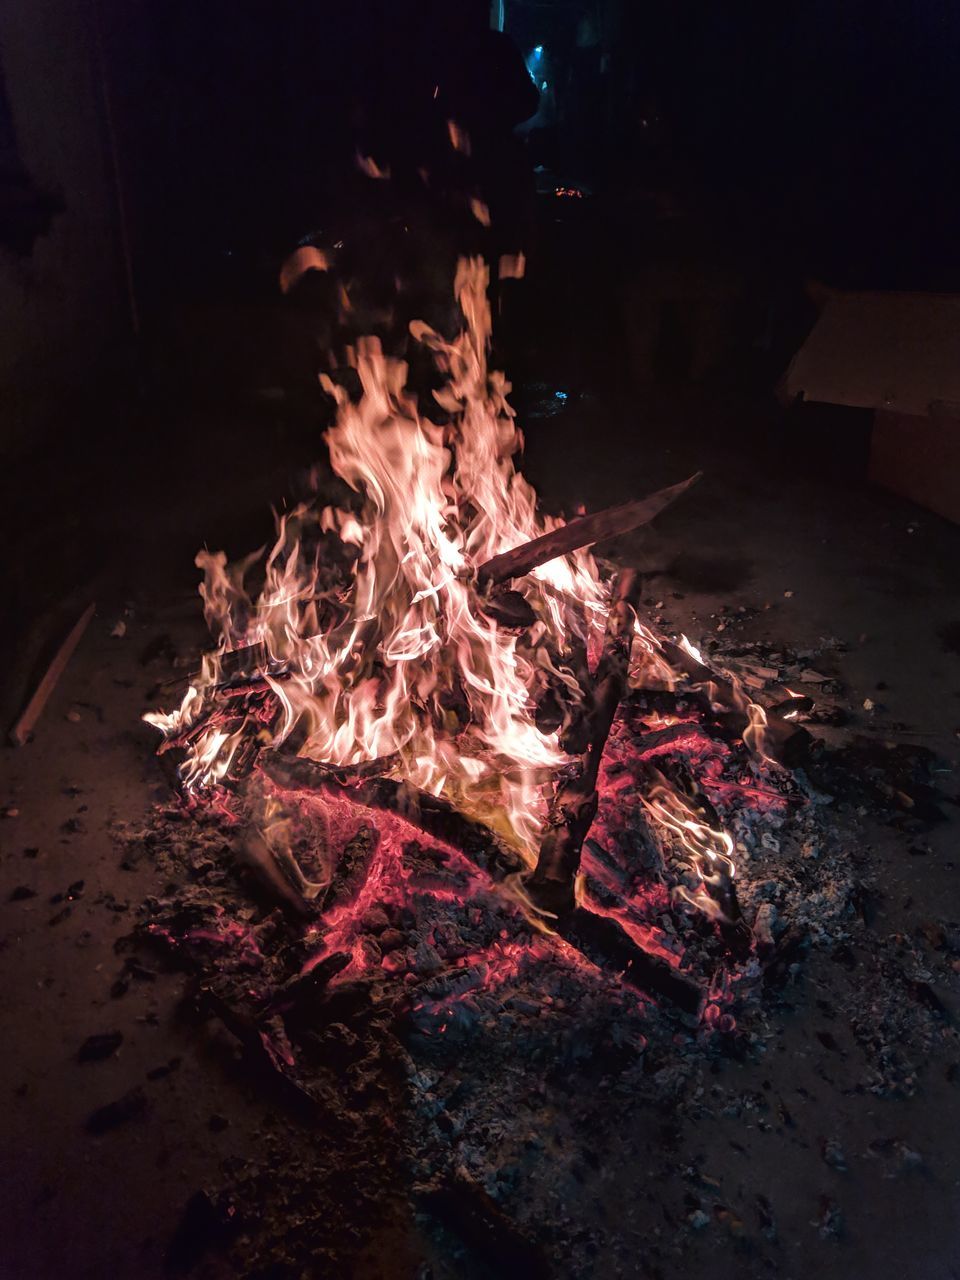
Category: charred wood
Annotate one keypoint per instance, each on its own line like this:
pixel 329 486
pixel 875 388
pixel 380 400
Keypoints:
pixel 783 741
pixel 602 940
pixel 462 1206
pixel 797 704
pixel 432 814
pixel 579 533
pixel 261 1056
pixel 352 867
pixel 307 989
pixel 575 804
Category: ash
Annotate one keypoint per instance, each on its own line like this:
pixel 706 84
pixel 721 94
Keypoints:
pixel 479 1077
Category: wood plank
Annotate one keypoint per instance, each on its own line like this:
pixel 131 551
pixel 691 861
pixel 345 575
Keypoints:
pixel 21 731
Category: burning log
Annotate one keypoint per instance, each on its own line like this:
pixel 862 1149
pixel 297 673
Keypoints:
pixel 244 665
pixel 575 804
pixel 580 533
pixel 783 741
pixel 432 814
pixel 600 938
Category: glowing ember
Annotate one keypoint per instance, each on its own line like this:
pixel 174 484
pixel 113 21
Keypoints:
pixel 371 641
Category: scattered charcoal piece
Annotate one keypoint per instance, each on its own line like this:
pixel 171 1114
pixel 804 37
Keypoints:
pixel 161 646
pixel 31 852
pixel 60 916
pixel 132 1106
pixel 792 944
pixel 786 1119
pixel 217 1123
pixel 832 1153
pixel 465 1208
pixel 166 1069
pixel 925 995
pixel 765 1216
pixel 21 893
pixel 204 1225
pixel 828 1040
pixel 102 1045
pixel 75 891
pixel 830 1221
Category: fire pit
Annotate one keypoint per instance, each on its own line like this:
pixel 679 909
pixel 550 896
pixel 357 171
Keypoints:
pixel 435 657
pixel 474 870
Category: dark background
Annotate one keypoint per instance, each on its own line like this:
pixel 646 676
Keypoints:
pixel 160 158
pixel 825 132
pixel 784 142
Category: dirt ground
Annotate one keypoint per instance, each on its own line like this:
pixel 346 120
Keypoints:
pixel 738 1176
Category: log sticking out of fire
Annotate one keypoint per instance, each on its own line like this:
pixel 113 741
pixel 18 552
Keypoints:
pixel 575 804
pixel 243 665
pixel 579 533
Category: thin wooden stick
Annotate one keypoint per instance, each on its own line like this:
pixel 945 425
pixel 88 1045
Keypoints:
pixel 21 731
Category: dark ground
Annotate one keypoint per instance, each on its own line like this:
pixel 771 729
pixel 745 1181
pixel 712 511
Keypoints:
pixel 783 524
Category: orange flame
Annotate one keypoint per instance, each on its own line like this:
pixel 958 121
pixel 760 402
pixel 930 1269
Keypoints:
pixel 415 642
